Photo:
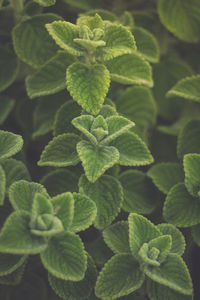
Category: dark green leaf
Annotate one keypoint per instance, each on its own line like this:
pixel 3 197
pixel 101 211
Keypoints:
pixel 2 185
pixel 191 164
pixel 6 106
pixel 10 144
pixel 9 263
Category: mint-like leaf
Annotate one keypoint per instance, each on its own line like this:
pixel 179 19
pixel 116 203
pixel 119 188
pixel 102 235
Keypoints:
pixel 10 144
pixel 191 164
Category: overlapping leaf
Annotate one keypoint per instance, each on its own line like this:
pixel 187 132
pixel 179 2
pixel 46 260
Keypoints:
pixel 191 164
pixel 10 144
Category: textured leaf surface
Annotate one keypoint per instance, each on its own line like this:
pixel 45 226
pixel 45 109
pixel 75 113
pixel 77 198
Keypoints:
pixel 178 240
pixel 189 139
pixel 9 263
pixel 130 69
pixel 181 18
pixel 21 194
pixel 120 276
pixel 84 123
pixel 16 238
pixel 66 113
pixel 191 164
pixel 85 212
pixel 6 106
pixel 166 175
pixel 88 85
pixel 44 113
pixel 157 291
pixel 70 290
pixel 61 151
pixel 51 77
pixel 95 159
pixel 117 238
pixel 9 66
pixel 141 231
pixel 188 88
pixel 173 273
pixel 132 150
pixel 65 257
pixel 45 2
pixel 32 42
pixel 147 45
pixel 163 243
pixel 139 193
pixel 180 208
pixel 107 193
pixel 64 34
pixel 2 185
pixel 10 144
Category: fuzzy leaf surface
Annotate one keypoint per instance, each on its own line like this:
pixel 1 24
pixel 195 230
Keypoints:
pixel 132 150
pixel 107 193
pixel 187 88
pixel 139 193
pixel 117 238
pixel 191 163
pixel 141 231
pixel 2 185
pixel 88 85
pixel 173 273
pixel 65 257
pixel 50 78
pixel 96 159
pixel 32 42
pixel 22 193
pixel 84 123
pixel 120 276
pixel 9 66
pixel 180 208
pixel 130 69
pixel 85 212
pixel 10 144
pixel 165 175
pixel 61 151
pixel 16 238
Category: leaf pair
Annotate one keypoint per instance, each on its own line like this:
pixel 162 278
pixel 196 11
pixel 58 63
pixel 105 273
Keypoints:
pixel 137 250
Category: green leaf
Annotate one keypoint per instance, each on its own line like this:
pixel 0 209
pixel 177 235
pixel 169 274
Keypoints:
pixel 132 150
pixel 141 231
pixel 45 2
pixel 41 205
pixel 180 208
pixel 178 240
pixel 61 151
pixel 104 14
pixel 60 181
pixel 85 212
pixel 84 123
pixel 64 34
pixel 65 257
pixel 191 163
pixel 139 192
pixel 16 238
pixel 157 291
pixel 9 263
pixel 163 243
pixel 165 175
pixel 6 106
pixel 13 278
pixel 65 114
pixel 120 276
pixel 14 170
pixel 2 185
pixel 22 193
pixel 44 113
pixel 9 67
pixel 88 85
pixel 130 69
pixel 188 139
pixel 173 273
pixel 50 78
pixel 181 17
pixel 119 41
pixel 146 43
pixel 10 144
pixel 70 290
pixel 187 88
pixel 83 4
pixel 107 193
pixel 137 104
pixel 117 125
pixel 116 237
pixel 96 159
pixel 63 205
pixel 32 42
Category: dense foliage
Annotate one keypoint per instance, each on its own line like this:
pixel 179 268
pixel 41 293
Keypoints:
pixel 99 149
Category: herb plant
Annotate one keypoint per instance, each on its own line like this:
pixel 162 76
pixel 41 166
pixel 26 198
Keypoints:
pixel 99 149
